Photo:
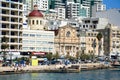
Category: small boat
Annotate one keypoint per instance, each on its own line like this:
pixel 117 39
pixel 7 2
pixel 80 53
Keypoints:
pixel 116 65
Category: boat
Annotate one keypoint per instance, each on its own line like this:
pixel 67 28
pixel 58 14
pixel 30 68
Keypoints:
pixel 116 64
pixel 11 72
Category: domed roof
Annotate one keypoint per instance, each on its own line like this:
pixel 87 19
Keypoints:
pixel 35 12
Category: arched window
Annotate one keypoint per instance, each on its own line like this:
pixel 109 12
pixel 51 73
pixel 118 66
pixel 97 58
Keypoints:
pixel 68 34
pixel 40 22
pixel 33 22
pixel 37 22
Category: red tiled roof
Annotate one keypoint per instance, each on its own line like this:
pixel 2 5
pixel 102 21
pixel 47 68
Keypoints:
pixel 35 13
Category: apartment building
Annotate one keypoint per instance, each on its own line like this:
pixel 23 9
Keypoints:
pixel 90 4
pixel 72 10
pixel 93 23
pixel 61 13
pixel 89 43
pixel 11 23
pixel 98 8
pixel 29 5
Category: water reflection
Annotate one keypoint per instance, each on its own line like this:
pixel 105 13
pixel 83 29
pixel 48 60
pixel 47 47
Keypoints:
pixel 84 75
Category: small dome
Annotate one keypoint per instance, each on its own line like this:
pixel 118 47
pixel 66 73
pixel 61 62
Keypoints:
pixel 35 12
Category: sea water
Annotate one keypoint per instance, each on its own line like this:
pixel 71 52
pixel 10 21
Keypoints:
pixel 83 75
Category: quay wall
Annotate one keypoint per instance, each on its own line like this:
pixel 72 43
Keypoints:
pixel 85 66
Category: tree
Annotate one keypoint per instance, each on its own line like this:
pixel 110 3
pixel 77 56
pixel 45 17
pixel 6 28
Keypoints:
pixel 84 57
pixel 78 55
pixel 67 56
pixel 49 56
pixel 4 46
pixel 56 56
pixel 99 37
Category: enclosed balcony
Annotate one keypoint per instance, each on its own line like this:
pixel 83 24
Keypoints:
pixel 4 4
pixel 14 34
pixel 4 11
pixel 14 13
pixel 14 19
pixel 21 7
pixel 5 18
pixel 5 33
pixel 15 6
pixel 5 25
pixel 14 27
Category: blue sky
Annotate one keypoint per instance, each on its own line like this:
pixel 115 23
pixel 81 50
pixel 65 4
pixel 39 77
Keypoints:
pixel 112 3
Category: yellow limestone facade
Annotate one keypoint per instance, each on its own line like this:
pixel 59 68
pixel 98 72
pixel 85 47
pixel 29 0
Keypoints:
pixel 66 41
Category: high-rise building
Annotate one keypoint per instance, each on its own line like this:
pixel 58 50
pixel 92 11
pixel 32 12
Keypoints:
pixel 11 23
pixel 42 5
pixel 90 4
pixel 61 12
pixel 98 8
pixel 72 10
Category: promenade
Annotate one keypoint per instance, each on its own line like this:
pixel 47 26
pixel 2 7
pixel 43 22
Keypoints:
pixel 85 66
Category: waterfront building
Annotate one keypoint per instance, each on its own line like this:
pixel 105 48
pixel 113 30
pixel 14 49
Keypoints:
pixel 92 43
pixel 89 42
pixel 36 20
pixel 113 16
pixel 66 41
pixel 38 41
pixel 11 24
pixel 35 39
pixel 111 35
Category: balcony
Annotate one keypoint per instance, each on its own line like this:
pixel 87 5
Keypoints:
pixel 4 4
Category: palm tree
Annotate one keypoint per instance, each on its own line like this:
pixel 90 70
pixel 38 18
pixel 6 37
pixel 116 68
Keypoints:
pixel 99 37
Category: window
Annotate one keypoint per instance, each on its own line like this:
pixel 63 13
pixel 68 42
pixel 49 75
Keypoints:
pixel 29 21
pixel 33 22
pixel 37 22
pixel 32 35
pixel 68 34
pixel 25 34
pixel 32 48
pixel 40 22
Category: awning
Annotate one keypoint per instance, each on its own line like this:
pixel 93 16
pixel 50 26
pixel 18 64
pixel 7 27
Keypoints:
pixel 38 53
